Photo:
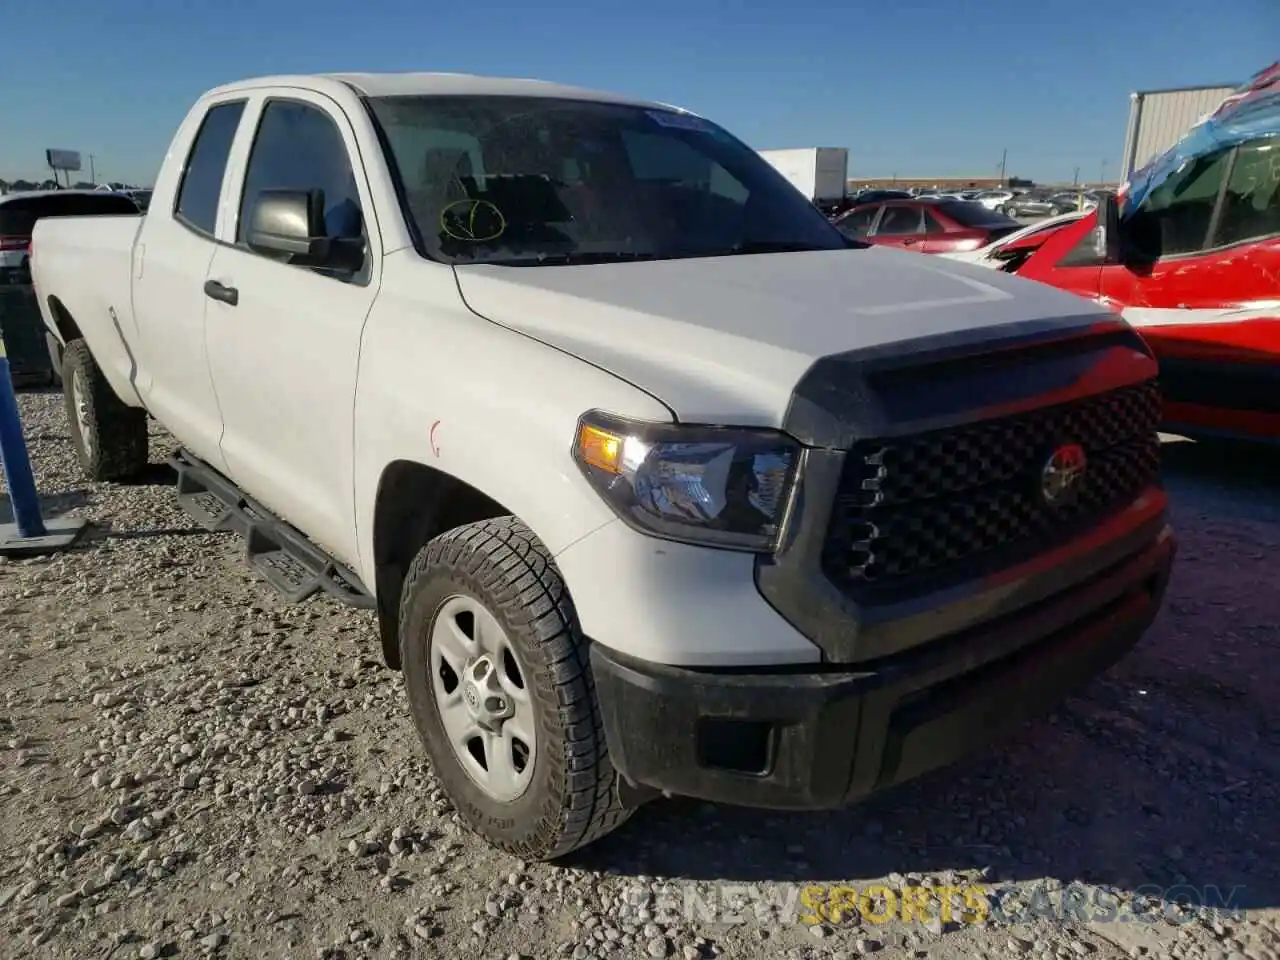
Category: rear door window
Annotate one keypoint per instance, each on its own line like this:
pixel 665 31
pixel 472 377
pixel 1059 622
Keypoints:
pixel 900 221
pixel 201 185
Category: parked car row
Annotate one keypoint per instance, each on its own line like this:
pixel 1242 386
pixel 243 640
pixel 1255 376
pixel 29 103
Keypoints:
pixel 1014 203
pixel 926 224
pixel 1046 204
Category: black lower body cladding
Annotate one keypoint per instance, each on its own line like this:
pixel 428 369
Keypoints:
pixel 818 740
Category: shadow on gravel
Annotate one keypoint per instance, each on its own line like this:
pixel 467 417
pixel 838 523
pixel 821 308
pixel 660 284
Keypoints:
pixel 1163 773
pixel 51 505
pixel 1239 479
pixel 106 533
pixel 155 475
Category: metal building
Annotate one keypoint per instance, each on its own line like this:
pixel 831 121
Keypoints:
pixel 1159 118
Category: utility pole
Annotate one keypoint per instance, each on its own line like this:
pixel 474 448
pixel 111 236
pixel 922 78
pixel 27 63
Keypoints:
pixel 1004 156
pixel 93 177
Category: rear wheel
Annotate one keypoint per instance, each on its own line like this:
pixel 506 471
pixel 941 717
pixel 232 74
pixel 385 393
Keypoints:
pixel 54 346
pixel 500 686
pixel 109 436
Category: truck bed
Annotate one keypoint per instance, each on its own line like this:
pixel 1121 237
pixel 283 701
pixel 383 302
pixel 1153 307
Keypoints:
pixel 88 261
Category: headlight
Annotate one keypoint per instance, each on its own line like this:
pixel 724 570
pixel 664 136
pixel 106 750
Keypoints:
pixel 718 486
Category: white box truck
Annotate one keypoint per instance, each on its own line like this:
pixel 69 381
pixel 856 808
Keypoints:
pixel 820 173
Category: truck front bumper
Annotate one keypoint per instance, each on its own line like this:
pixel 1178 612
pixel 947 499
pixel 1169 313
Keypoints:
pixel 817 738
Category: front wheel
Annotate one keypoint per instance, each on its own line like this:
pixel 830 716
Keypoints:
pixel 500 686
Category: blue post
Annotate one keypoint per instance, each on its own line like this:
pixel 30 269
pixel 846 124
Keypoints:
pixel 16 463
pixel 29 534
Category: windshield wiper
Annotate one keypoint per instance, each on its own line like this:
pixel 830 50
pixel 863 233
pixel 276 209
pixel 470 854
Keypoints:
pixel 572 257
pixel 582 257
pixel 768 246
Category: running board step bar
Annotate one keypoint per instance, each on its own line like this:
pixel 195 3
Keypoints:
pixel 281 555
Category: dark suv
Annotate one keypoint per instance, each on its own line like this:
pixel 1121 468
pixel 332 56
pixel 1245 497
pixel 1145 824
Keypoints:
pixel 20 211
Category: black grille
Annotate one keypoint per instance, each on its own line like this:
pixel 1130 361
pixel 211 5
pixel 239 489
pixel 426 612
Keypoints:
pixel 963 499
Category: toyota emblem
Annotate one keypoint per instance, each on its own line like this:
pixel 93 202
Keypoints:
pixel 1062 473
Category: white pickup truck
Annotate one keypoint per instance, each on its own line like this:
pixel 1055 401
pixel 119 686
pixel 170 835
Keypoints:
pixel 657 483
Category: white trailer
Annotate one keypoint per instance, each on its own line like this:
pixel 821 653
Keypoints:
pixel 820 173
pixel 1159 118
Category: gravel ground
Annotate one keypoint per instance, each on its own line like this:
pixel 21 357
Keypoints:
pixel 191 767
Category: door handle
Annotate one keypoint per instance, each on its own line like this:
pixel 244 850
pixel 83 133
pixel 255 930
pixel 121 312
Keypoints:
pixel 908 242
pixel 218 291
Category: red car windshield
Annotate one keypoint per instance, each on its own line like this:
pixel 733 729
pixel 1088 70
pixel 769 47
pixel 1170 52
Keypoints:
pixel 969 214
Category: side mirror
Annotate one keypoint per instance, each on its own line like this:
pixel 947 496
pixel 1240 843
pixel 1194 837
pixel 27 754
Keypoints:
pixel 290 224
pixel 1107 230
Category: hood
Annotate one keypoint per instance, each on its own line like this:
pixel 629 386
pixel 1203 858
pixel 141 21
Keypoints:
pixel 726 339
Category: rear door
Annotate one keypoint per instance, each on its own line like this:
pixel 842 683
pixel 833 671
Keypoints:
pixel 285 355
pixel 937 238
pixel 170 264
pixel 900 225
pixel 857 224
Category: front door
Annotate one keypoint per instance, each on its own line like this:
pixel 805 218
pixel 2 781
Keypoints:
pixel 285 355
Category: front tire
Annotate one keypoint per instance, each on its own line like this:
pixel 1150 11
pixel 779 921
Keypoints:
pixel 109 436
pixel 500 686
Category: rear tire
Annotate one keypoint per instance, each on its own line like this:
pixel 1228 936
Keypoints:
pixel 500 572
pixel 110 437
pixel 54 346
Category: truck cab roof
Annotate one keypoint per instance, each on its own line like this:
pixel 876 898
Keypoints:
pixel 429 84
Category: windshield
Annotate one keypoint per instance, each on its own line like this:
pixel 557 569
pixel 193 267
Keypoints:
pixel 533 180
pixel 970 214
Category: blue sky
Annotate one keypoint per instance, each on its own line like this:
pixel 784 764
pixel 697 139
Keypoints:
pixel 911 87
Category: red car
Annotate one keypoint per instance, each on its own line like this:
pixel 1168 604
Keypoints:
pixel 926 225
